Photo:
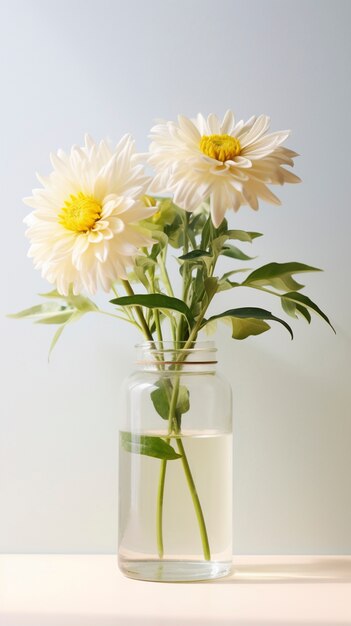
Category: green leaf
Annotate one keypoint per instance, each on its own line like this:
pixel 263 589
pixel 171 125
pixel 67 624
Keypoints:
pixel 248 313
pixel 192 236
pixel 197 287
pixel 221 230
pixel 160 237
pixel 82 303
pixel 161 399
pixel 306 314
pixel 150 446
pixel 235 253
pixel 194 254
pixel 59 318
pixel 139 275
pixel 183 402
pixel 303 300
pixel 238 271
pixel 75 316
pixel 279 275
pixel 41 311
pixel 155 231
pixel 211 285
pixel 224 285
pixel 218 244
pixel 243 328
pixel 166 212
pixel 52 294
pixel 289 307
pixel 243 235
pixel 156 301
pixel 206 232
pixel 143 264
pixel 55 339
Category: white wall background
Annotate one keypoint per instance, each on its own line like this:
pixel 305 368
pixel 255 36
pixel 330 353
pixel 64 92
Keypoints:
pixel 109 67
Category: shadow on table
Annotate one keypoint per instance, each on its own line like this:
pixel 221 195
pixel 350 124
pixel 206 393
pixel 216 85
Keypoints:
pixel 329 570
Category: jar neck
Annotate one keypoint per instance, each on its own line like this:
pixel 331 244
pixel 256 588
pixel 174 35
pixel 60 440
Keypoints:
pixel 172 356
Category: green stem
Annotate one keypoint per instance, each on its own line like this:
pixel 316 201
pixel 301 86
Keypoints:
pixel 126 310
pixel 158 325
pixel 119 317
pixel 164 273
pixel 139 311
pixel 264 289
pixel 161 482
pixel 196 501
pixel 159 511
pixel 173 427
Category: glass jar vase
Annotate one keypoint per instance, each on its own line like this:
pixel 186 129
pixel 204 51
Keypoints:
pixel 175 466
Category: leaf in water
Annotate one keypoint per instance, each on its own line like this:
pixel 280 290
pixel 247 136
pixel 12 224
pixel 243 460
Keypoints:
pixel 183 403
pixel 279 275
pixel 248 313
pixel 235 253
pixel 156 301
pixel 303 300
pixel 243 328
pixel 149 446
pixel 161 399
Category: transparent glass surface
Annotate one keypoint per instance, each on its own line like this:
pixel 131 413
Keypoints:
pixel 175 467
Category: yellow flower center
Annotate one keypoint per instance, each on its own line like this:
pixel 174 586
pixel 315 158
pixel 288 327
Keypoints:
pixel 80 213
pixel 220 147
pixel 149 201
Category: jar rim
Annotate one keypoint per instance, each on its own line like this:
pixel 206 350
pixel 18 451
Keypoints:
pixel 172 346
pixel 176 353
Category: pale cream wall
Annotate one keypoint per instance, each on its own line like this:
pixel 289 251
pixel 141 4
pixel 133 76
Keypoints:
pixel 109 67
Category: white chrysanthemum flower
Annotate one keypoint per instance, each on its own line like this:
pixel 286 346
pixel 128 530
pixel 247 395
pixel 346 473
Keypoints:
pixel 84 230
pixel 230 163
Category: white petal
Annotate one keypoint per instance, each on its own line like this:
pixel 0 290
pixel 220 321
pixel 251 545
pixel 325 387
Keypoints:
pixel 256 131
pixel 213 124
pixel 227 123
pixel 240 161
pixel 217 209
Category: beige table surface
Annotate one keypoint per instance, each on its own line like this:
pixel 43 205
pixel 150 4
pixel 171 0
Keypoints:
pixel 85 590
